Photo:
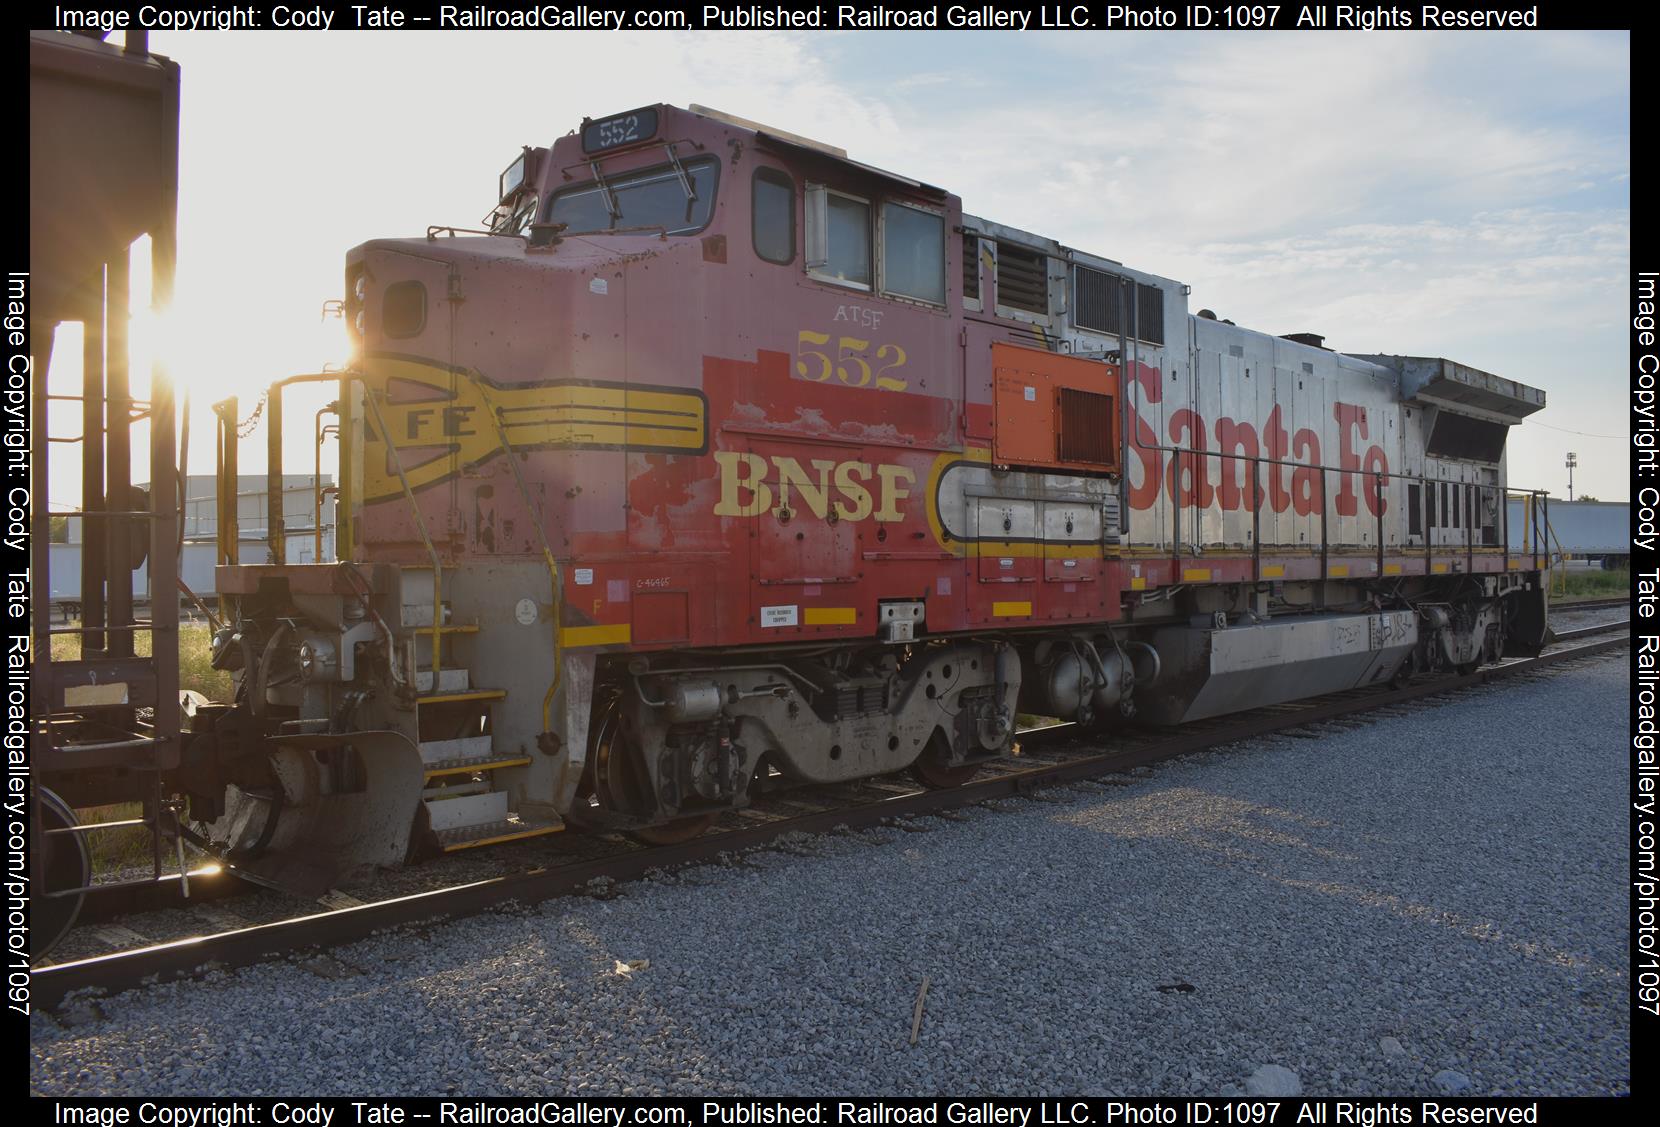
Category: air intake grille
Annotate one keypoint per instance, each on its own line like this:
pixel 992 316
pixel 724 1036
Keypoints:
pixel 1095 300
pixel 1084 427
pixel 971 267
pixel 1022 279
pixel 1150 307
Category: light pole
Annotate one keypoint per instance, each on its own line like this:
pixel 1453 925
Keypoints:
pixel 1573 460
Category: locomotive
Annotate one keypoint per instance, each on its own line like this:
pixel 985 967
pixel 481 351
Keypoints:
pixel 718 461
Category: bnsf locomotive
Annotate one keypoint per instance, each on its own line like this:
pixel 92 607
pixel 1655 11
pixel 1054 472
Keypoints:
pixel 722 461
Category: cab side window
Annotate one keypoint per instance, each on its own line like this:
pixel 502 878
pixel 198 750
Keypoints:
pixel 772 220
pixel 838 237
pixel 913 253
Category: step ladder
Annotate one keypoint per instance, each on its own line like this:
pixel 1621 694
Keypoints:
pixel 467 804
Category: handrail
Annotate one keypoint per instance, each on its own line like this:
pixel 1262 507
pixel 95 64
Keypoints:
pixel 547 554
pixel 1256 494
pixel 421 527
pixel 320 432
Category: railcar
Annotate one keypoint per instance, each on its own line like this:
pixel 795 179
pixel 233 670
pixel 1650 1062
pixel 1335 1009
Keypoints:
pixel 718 461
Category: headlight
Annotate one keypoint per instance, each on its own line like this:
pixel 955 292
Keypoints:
pixel 359 288
pixel 357 322
pixel 319 660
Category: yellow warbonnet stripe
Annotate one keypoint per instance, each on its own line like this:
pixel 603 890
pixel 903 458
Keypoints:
pixel 440 420
pixel 616 635
pixel 829 616
pixel 987 546
pixel 1011 610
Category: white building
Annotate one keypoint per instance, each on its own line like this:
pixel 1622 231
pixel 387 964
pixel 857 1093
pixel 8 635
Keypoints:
pixel 201 532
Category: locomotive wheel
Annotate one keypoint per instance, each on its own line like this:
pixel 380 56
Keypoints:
pixel 615 780
pixel 933 767
pixel 68 865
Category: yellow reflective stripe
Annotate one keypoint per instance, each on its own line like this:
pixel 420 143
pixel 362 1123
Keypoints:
pixel 470 768
pixel 829 616
pixel 1011 610
pixel 1195 575
pixel 617 635
pixel 535 831
pixel 473 694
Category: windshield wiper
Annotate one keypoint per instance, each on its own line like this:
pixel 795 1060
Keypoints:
pixel 605 192
pixel 685 181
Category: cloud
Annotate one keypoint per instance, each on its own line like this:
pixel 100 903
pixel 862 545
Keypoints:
pixel 1452 194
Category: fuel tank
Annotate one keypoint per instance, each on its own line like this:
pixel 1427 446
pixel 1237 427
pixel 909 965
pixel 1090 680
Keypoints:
pixel 1214 669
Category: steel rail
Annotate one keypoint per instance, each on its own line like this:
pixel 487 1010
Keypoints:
pixel 1589 604
pixel 52 985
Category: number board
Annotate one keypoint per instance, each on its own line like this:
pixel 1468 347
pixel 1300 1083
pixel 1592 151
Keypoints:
pixel 623 129
pixel 512 178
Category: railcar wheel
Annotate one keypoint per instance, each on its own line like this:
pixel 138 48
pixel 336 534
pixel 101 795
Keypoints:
pixel 933 768
pixel 68 865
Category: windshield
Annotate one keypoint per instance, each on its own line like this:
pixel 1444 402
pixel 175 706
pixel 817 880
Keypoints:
pixel 653 197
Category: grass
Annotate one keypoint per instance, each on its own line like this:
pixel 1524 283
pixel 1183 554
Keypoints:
pixel 122 848
pixel 130 846
pixel 1588 583
pixel 195 658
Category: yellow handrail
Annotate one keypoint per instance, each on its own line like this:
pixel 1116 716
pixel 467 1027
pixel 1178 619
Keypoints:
pixel 369 395
pixel 547 554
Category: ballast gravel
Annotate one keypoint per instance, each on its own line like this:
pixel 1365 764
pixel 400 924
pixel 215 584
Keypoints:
pixel 1428 904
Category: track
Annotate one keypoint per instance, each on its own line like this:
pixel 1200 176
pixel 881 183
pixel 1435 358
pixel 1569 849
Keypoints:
pixel 1560 606
pixel 1044 757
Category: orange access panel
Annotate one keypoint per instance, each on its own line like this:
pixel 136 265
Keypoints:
pixel 1030 413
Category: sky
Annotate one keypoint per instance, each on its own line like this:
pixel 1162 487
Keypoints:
pixel 1445 194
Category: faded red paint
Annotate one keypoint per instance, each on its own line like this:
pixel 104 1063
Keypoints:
pixel 836 406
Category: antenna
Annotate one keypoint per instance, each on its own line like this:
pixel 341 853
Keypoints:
pixel 1573 460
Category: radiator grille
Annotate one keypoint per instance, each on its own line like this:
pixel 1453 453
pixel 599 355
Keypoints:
pixel 1084 427
pixel 971 266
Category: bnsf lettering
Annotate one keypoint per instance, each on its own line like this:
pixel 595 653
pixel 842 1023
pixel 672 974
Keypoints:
pixel 852 490
pixel 1201 482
